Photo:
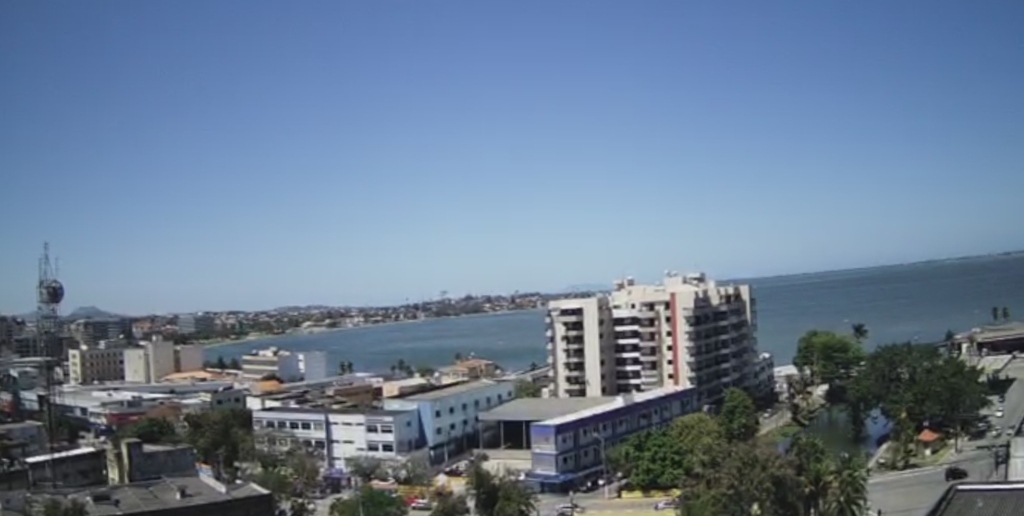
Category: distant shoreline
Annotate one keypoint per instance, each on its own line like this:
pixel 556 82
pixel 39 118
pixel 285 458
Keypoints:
pixel 332 330
pixel 933 261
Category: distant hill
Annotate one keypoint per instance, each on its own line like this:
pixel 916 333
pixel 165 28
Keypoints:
pixel 82 312
pixel 90 312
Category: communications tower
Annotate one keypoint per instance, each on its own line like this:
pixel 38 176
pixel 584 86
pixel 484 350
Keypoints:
pixel 49 344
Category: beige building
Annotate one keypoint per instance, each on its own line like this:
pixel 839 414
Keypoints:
pixel 154 361
pixel 103 362
pixel 687 332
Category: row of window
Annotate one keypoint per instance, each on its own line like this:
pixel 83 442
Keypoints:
pixel 290 425
pixel 476 404
pixel 382 447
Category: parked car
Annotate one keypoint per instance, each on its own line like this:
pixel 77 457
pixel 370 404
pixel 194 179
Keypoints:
pixel 999 412
pixel 568 509
pixel 955 473
pixel 665 505
pixel 420 504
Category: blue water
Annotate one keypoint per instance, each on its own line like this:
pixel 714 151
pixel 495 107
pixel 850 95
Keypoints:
pixel 897 303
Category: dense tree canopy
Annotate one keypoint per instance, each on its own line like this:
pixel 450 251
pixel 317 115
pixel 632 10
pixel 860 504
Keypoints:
pixel 829 357
pixel 369 502
pixel 723 477
pixel 739 416
pixel 915 386
pixel 527 389
pixel 220 437
pixel 151 430
pixel 495 495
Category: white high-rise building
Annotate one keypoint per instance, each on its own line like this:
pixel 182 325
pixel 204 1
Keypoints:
pixel 687 332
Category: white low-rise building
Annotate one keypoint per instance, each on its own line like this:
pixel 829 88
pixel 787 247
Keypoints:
pixel 152 361
pixel 335 435
pixel 272 361
pixel 448 415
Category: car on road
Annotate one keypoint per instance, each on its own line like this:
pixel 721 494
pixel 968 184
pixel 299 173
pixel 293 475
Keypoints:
pixel 999 412
pixel 568 509
pixel 1010 432
pixel 665 505
pixel 955 473
pixel 421 504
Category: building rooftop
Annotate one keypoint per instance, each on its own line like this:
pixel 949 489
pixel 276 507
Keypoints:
pixel 540 409
pixel 146 497
pixel 450 390
pixel 334 410
pixel 989 499
pixel 992 332
pixel 616 403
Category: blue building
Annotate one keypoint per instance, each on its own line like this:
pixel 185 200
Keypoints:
pixel 568 451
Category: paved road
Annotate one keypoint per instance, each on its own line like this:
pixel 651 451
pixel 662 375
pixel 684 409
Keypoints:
pixel 913 492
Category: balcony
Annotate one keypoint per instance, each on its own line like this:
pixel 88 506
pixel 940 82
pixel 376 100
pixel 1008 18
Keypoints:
pixel 629 367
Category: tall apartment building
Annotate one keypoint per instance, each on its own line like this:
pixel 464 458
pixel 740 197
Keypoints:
pixel 90 331
pixel 152 361
pixel 103 362
pixel 191 324
pixel 686 332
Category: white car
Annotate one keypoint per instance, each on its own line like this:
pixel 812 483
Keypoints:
pixel 665 505
pixel 999 413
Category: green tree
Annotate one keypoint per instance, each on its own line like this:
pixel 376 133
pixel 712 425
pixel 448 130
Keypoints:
pixel 499 495
pixel 425 371
pixel 950 335
pixel 828 356
pixel 220 438
pixel 369 502
pixel 663 459
pixel 848 489
pixel 448 504
pixel 995 314
pixel 151 430
pixel 739 416
pixel 527 389
pixel 234 364
pixel 365 468
pixel 859 332
pixel 1006 314
pixel 221 364
pixel 53 506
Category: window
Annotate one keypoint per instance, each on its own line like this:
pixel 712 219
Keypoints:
pixel 318 426
pixel 347 442
pixel 372 429
pixel 387 447
pixel 293 425
pixel 438 431
pixel 465 407
pixel 282 424
pixel 387 429
pixel 451 426
pixel 372 447
pixel 451 410
pixel 437 413
pixel 306 426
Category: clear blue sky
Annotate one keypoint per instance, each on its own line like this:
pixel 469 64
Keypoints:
pixel 187 155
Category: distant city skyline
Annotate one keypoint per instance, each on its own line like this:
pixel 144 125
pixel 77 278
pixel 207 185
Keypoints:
pixel 182 157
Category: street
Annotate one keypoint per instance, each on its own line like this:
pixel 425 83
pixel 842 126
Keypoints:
pixel 912 493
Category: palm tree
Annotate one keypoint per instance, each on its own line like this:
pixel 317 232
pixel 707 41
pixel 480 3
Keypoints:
pixel 860 331
pixel 1006 314
pixel 458 357
pixel 995 314
pixel 849 487
pixel 499 496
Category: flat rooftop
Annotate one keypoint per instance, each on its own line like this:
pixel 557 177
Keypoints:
pixel 995 332
pixel 450 390
pixel 331 410
pixel 147 497
pixel 988 499
pixel 541 409
pixel 616 403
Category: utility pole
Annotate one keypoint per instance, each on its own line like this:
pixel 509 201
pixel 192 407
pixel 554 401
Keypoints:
pixel 604 465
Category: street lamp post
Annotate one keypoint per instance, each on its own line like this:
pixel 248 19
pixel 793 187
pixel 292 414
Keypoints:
pixel 604 465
